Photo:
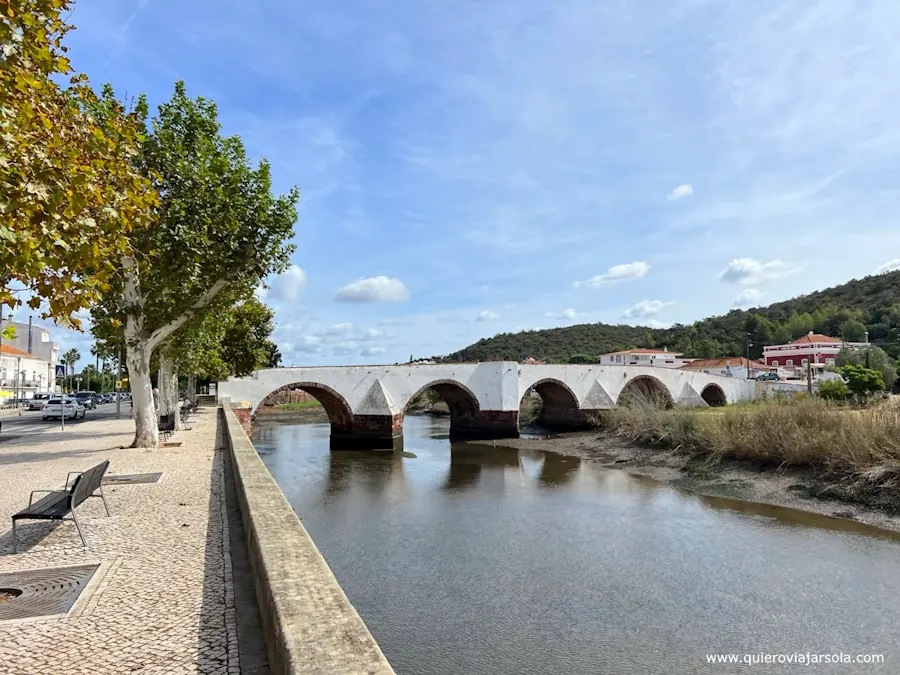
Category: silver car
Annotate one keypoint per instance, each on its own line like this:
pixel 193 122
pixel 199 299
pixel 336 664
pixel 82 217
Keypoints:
pixel 38 401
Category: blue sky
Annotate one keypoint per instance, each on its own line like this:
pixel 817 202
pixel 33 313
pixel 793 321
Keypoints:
pixel 468 168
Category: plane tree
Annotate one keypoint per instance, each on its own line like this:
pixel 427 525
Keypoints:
pixel 71 194
pixel 219 227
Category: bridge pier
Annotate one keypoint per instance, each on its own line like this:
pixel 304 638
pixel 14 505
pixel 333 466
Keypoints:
pixel 485 425
pixel 564 418
pixel 368 432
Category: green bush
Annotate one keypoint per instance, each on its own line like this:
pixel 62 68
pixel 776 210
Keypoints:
pixel 863 381
pixel 834 390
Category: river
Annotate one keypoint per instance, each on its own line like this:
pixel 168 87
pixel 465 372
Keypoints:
pixel 477 560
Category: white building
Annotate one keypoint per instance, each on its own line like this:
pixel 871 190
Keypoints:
pixel 21 374
pixel 661 358
pixel 37 349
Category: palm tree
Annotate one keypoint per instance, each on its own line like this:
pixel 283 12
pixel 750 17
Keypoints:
pixel 70 358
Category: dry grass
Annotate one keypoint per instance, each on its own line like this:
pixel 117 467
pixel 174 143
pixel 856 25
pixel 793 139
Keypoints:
pixel 862 446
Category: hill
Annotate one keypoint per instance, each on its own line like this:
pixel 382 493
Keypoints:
pixel 869 304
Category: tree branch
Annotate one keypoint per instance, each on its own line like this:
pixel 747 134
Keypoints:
pixel 163 332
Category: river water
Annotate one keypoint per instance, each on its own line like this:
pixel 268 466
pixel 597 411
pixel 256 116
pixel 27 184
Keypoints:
pixel 483 560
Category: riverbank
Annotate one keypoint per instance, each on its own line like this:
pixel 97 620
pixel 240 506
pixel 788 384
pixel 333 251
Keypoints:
pixel 704 474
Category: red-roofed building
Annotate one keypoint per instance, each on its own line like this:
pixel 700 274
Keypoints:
pixel 729 366
pixel 814 349
pixel 640 356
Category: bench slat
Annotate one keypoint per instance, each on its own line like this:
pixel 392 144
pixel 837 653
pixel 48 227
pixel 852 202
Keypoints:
pixel 53 506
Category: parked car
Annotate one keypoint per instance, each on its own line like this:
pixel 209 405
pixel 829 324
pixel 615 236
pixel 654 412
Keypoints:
pixel 762 377
pixel 37 401
pixel 69 406
pixel 87 399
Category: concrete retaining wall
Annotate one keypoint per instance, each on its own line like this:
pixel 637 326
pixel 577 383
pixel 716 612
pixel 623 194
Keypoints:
pixel 309 624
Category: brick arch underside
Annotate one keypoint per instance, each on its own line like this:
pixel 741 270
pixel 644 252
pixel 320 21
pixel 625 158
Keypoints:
pixel 467 420
pixel 335 405
pixel 714 396
pixel 560 405
pixel 646 390
pixel 461 401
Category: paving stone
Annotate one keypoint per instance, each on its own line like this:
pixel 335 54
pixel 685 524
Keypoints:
pixel 165 598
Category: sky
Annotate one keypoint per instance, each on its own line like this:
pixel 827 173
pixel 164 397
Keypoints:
pixel 469 168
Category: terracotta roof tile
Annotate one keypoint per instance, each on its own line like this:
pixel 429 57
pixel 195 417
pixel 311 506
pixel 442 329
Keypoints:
pixel 15 351
pixel 814 337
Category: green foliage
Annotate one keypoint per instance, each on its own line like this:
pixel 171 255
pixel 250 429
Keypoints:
pixel 869 357
pixel 246 346
pixel 8 333
pixel 862 381
pixel 833 390
pixel 71 196
pixel 871 302
pixel 583 358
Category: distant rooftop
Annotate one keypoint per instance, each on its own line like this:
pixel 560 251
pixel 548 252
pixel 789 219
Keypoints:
pixel 642 350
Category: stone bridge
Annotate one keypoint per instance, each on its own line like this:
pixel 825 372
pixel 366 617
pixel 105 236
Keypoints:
pixel 365 404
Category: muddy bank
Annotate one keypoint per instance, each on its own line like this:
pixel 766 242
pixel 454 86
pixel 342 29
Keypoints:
pixel 794 488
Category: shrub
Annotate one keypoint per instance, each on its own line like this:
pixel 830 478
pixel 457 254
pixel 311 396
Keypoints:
pixel 834 390
pixel 863 381
pixel 862 445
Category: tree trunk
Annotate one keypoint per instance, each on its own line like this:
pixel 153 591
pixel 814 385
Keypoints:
pixel 192 388
pixel 146 420
pixel 168 388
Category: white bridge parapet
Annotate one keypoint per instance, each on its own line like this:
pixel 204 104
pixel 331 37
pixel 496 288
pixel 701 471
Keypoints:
pixel 483 398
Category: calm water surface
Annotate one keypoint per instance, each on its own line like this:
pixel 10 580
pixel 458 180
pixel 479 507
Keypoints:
pixel 478 560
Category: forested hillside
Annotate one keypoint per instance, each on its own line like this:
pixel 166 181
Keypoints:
pixel 871 303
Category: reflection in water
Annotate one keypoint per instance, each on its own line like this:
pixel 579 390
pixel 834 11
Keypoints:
pixel 376 472
pixel 478 559
pixel 558 470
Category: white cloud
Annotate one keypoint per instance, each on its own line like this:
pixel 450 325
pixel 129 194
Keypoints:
pixel 653 323
pixel 751 271
pixel 372 351
pixel 338 329
pixel 487 315
pixel 748 298
pixel 373 289
pixel 287 286
pixel 624 272
pixel 565 315
pixel 683 190
pixel 889 266
pixel 646 308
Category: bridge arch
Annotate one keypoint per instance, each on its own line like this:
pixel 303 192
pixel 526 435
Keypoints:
pixel 461 402
pixel 645 390
pixel 559 404
pixel 714 395
pixel 335 405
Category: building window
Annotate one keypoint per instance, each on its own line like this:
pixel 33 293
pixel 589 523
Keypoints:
pixel 775 363
pixel 789 363
pixel 619 358
pixel 829 362
pixel 804 362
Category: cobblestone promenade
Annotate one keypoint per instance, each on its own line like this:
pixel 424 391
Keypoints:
pixel 162 600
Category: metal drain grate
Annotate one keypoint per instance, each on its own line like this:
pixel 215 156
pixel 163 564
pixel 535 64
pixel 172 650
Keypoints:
pixel 132 479
pixel 42 593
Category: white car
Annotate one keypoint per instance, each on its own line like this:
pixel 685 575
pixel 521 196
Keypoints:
pixel 73 408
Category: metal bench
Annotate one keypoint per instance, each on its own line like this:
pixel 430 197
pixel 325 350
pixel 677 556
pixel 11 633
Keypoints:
pixel 186 409
pixel 166 425
pixel 57 504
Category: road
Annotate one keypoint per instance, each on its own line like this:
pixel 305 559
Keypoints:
pixel 30 422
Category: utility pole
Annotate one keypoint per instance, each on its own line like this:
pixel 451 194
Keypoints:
pixel 808 377
pixel 119 386
pixel 747 354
